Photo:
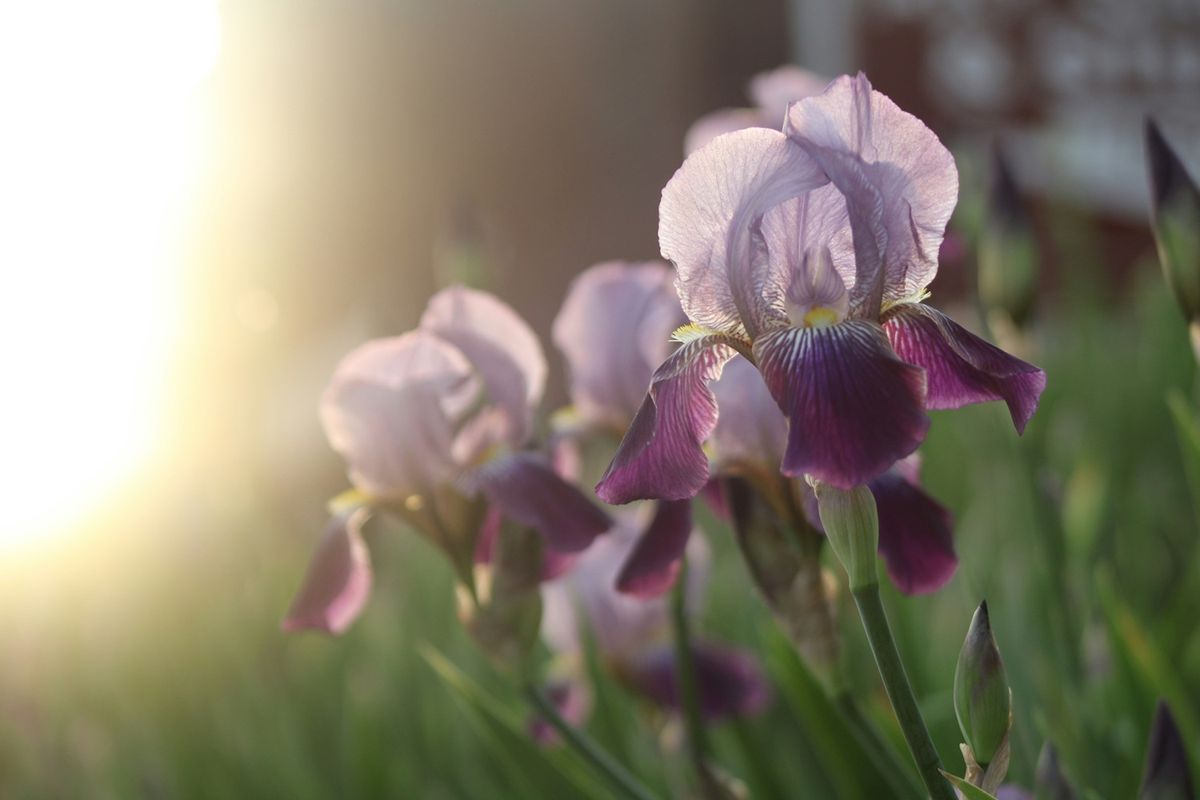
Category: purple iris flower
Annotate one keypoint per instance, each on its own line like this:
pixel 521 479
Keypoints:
pixel 771 93
pixel 614 328
pixel 808 252
pixel 432 425
pixel 632 635
pixel 916 533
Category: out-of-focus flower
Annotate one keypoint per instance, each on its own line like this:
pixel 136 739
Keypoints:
pixel 1166 775
pixel 1175 218
pixel 632 635
pixel 981 696
pixel 1007 248
pixel 432 425
pixel 771 92
pixel 808 252
pixel 613 328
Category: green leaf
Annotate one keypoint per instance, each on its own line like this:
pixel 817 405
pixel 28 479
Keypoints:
pixel 969 790
pixel 536 771
pixel 1188 429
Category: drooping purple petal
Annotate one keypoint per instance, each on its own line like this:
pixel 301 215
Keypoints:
pixel 854 408
pixel 389 410
pixel 500 346
pixel 338 582
pixel 661 455
pixel 614 328
pixel 653 564
pixel 960 367
pixel 528 491
pixel 718 123
pixel 913 172
pixel 773 91
pixel 750 429
pixel 729 681
pixel 705 216
pixel 916 534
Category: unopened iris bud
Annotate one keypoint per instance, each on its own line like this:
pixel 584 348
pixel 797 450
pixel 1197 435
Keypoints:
pixel 981 697
pixel 852 527
pixel 1175 218
pixel 1166 775
pixel 1007 248
pixel 505 611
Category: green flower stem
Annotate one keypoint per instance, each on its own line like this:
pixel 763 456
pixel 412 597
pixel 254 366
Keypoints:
pixel 899 690
pixel 689 690
pixel 624 783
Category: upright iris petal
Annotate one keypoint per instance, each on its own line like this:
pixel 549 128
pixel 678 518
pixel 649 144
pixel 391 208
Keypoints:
pixel 614 328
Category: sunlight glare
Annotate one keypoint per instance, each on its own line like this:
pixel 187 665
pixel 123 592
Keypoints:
pixel 99 155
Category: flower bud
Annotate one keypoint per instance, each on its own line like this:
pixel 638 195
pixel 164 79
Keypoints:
pixel 1166 775
pixel 1175 218
pixel 981 697
pixel 505 612
pixel 1049 782
pixel 852 527
pixel 787 571
pixel 1008 252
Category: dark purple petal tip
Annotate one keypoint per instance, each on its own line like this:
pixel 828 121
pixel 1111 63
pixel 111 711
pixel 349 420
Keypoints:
pixel 528 491
pixel 962 368
pixel 854 408
pixel 661 456
pixel 654 563
pixel 916 535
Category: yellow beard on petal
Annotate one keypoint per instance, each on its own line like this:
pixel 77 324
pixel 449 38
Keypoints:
pixel 820 317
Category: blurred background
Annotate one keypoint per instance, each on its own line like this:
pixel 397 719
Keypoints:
pixel 204 205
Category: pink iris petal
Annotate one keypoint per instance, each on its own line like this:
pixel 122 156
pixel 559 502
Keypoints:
pixel 751 429
pixel 705 217
pixel 661 455
pixel 913 172
pixel 614 328
pixel 962 368
pixel 655 560
pixel 730 681
pixel 503 350
pixel 854 408
pixel 389 410
pixel 527 490
pixel 916 533
pixel 338 582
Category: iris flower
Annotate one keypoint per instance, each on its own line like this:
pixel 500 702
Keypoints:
pixel 808 252
pixel 432 425
pixel 614 327
pixel 632 635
